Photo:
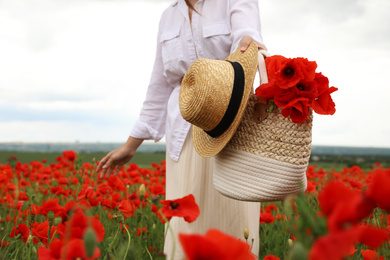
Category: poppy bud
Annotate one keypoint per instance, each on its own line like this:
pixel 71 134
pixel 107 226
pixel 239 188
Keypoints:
pixel 29 239
pixel 34 250
pixel 57 221
pixel 90 241
pixel 246 233
pixel 290 243
pixel 50 215
pixel 154 226
pixel 142 191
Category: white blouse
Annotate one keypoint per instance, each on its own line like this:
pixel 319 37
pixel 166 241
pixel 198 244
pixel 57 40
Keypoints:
pixel 214 33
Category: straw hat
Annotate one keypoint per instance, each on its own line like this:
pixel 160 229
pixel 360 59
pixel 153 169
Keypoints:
pixel 214 95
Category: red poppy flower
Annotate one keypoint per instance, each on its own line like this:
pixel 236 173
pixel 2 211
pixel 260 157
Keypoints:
pixel 267 90
pixel 4 244
pixel 185 207
pixel 355 184
pixel 50 205
pixel 372 237
pixel 140 231
pixel 271 257
pixel 75 249
pixel 157 189
pixel 51 253
pixel 78 225
pixel 284 96
pixel 21 229
pixel 266 217
pixel 23 196
pixel 335 246
pixel 271 207
pixel 379 188
pixel 69 155
pixel 288 72
pixel 85 193
pixel 371 255
pixel 343 205
pixel 214 245
pixel 127 208
pixel 41 230
pixel 297 110
pixel 311 187
pixel 306 89
pixel 323 104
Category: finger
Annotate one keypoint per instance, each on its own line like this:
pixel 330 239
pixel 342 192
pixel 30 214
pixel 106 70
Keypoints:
pixel 104 171
pixel 244 46
pixel 106 167
pixel 103 161
pixel 245 42
pixel 100 166
pixel 109 172
pixel 118 168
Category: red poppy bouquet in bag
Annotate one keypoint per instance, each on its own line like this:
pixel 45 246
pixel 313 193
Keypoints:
pixel 267 157
pixel 294 86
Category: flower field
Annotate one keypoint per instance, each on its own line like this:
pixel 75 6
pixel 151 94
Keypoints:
pixel 62 210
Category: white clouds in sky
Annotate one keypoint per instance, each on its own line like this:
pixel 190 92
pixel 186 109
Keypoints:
pixel 78 69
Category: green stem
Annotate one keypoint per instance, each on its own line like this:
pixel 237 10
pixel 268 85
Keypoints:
pixel 55 231
pixel 147 250
pixel 165 236
pixel 172 234
pixel 29 250
pixel 112 242
pixel 48 235
pixel 9 246
pixel 128 244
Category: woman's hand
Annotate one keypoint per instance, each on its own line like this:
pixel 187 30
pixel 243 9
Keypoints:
pixel 118 158
pixel 246 41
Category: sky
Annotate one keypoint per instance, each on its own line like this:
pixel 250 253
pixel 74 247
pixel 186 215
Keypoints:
pixel 78 70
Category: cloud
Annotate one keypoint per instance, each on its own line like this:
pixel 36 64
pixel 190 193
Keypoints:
pixel 351 23
pixel 63 131
pixel 88 59
pixel 78 69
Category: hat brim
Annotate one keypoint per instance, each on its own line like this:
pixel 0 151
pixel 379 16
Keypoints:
pixel 208 146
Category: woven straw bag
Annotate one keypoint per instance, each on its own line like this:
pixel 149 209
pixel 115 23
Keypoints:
pixel 266 159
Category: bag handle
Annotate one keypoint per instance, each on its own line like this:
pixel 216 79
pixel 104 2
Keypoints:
pixel 261 66
pixel 261 108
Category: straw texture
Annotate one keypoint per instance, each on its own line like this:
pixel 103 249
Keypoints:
pixel 264 161
pixel 205 93
pixel 276 137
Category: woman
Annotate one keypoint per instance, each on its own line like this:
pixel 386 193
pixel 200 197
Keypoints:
pixel 188 30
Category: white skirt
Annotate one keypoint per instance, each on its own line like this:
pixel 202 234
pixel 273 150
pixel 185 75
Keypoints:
pixel 192 174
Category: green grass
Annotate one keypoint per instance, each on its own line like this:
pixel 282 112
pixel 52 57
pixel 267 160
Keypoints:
pixel 143 160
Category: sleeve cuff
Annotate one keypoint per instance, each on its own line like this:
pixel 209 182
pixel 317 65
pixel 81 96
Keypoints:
pixel 141 130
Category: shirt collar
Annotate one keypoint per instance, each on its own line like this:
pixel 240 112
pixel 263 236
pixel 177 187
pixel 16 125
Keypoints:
pixel 174 3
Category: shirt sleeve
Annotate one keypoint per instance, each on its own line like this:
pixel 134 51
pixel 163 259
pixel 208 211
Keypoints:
pixel 245 20
pixel 152 119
